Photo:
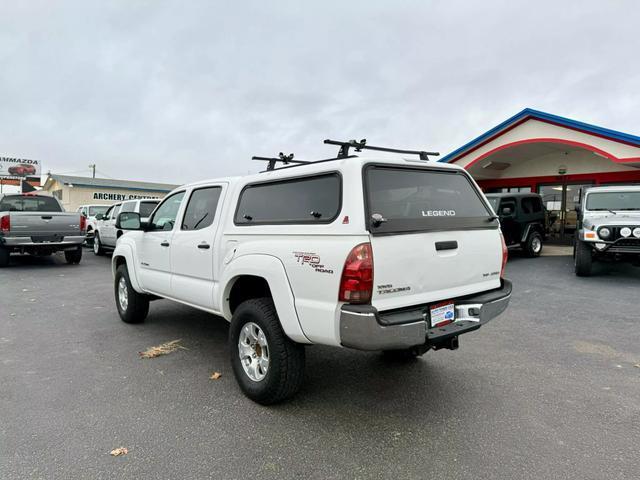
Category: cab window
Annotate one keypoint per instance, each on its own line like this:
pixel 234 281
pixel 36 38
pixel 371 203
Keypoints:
pixel 165 215
pixel 128 207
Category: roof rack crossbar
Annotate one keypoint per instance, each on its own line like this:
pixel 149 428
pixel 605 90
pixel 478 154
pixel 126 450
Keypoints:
pixel 362 145
pixel 285 159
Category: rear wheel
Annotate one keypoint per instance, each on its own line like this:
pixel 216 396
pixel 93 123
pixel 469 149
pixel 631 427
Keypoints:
pixel 133 307
pixel 4 257
pixel 73 257
pixel 583 259
pixel 532 246
pixel 268 366
pixel 97 245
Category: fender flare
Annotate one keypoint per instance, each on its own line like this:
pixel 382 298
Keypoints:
pixel 535 226
pixel 125 251
pixel 272 270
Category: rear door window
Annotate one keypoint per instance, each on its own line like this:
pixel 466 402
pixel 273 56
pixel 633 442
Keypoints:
pixel 423 199
pixel 314 199
pixel 201 209
pixel 146 208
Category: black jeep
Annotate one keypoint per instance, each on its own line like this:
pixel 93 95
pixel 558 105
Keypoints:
pixel 522 219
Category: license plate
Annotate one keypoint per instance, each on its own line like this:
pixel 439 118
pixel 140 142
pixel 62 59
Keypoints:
pixel 442 314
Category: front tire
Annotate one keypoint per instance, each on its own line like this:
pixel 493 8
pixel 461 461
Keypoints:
pixel 268 366
pixel 133 307
pixel 583 259
pixel 532 246
pixel 97 245
pixel 73 257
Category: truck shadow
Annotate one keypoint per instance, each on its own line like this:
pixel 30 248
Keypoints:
pixel 347 382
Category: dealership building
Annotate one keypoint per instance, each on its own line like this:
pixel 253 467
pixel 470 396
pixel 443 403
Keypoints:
pixel 554 156
pixel 76 191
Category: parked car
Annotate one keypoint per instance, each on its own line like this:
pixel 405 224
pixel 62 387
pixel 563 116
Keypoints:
pixel 522 220
pixel 38 225
pixel 608 227
pixel 363 253
pixel 22 170
pixel 105 233
pixel 90 212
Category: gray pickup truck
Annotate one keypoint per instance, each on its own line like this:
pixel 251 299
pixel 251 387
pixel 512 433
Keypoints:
pixel 38 225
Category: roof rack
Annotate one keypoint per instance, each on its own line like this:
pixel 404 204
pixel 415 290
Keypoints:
pixel 362 145
pixel 285 159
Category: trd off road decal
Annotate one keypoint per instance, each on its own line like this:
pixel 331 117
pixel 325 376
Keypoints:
pixel 313 260
pixel 389 288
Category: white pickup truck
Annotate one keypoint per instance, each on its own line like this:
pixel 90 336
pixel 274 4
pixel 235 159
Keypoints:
pixel 392 255
pixel 105 234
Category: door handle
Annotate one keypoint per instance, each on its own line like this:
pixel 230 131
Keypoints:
pixel 449 245
pixel 204 245
pixel 164 244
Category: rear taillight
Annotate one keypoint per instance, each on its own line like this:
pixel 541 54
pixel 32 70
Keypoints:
pixel 505 256
pixel 356 284
pixel 83 223
pixel 5 224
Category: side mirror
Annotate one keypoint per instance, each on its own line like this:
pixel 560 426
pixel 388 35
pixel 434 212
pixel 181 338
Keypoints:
pixel 578 209
pixel 129 221
pixel 507 211
pixel 99 216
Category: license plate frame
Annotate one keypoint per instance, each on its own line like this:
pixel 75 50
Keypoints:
pixel 442 313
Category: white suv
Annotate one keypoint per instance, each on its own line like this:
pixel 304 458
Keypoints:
pixel 378 254
pixel 106 234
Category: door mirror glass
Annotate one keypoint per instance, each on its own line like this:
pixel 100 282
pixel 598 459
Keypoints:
pixel 128 221
pixel 507 211
pixel 99 216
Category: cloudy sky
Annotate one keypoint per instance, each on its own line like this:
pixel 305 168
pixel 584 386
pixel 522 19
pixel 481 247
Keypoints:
pixel 181 91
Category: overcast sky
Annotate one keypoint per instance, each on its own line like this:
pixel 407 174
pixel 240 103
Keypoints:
pixel 181 91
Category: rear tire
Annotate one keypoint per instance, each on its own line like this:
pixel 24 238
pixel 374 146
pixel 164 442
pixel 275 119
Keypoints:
pixel 583 259
pixel 532 246
pixel 268 366
pixel 73 257
pixel 97 245
pixel 4 257
pixel 133 307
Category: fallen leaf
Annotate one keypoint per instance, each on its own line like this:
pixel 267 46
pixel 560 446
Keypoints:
pixel 162 349
pixel 116 452
pixel 215 375
pixel 637 365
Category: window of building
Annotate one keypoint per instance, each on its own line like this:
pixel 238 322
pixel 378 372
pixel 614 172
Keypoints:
pixel 303 200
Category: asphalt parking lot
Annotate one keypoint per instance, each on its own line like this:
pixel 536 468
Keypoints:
pixel 551 389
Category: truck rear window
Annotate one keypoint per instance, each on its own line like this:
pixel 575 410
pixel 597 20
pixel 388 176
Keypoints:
pixel 314 199
pixel 423 199
pixel 29 203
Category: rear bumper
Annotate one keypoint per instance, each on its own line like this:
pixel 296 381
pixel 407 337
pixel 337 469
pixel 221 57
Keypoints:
pixel 27 242
pixel 364 328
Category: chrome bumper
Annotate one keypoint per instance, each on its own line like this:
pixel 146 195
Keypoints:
pixel 27 242
pixel 364 328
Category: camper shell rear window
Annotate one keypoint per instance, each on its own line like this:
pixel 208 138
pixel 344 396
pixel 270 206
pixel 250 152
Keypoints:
pixel 423 199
